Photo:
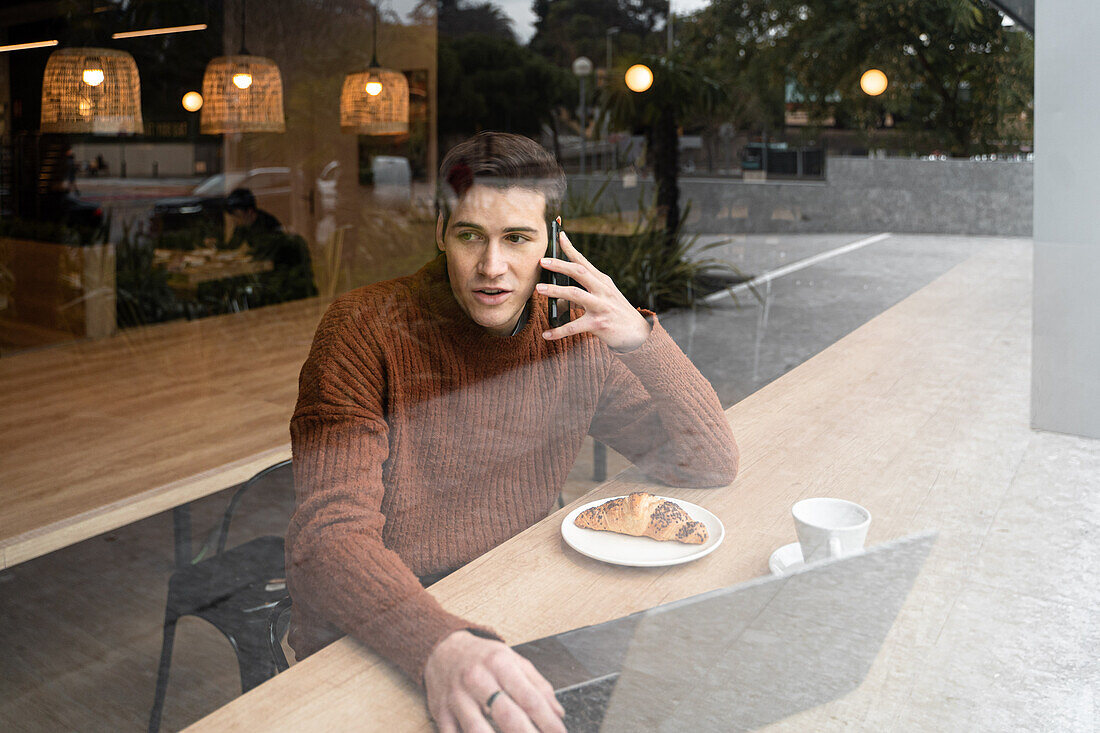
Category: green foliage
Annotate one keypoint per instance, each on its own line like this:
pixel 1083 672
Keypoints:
pixel 566 29
pixel 54 232
pixel 739 44
pixel 651 268
pixel 142 295
pixel 457 19
pixel 959 80
pixel 39 231
pixel 679 88
pixel 490 83
pixel 678 92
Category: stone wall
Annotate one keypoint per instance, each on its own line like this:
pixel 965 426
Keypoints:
pixel 857 195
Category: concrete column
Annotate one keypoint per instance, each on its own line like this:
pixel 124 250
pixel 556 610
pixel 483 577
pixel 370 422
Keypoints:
pixel 1065 383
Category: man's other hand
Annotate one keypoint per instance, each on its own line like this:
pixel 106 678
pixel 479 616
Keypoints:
pixel 463 672
pixel 607 313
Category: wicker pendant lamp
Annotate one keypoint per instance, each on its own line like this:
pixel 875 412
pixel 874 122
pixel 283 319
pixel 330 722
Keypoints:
pixel 91 90
pixel 375 101
pixel 242 93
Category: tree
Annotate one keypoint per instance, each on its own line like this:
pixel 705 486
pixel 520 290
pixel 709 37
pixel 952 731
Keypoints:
pixel 959 80
pixel 739 43
pixel 566 29
pixel 678 91
pixel 457 20
pixel 957 75
pixel 490 83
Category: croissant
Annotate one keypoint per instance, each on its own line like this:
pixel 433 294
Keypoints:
pixel 644 515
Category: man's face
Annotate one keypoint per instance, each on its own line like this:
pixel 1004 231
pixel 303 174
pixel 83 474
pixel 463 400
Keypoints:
pixel 494 241
pixel 242 217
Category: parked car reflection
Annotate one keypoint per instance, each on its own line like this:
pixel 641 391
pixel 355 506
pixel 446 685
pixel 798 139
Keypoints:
pixel 203 209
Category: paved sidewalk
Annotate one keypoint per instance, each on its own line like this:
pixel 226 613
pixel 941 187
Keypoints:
pixel 742 344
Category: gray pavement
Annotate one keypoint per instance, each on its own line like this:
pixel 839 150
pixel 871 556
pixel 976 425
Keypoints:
pixel 741 344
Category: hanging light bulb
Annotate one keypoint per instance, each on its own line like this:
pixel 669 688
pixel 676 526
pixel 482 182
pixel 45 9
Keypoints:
pixel 375 101
pixel 93 77
pixel 192 101
pixel 91 90
pixel 242 93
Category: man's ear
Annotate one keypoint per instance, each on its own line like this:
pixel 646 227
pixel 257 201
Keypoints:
pixel 439 233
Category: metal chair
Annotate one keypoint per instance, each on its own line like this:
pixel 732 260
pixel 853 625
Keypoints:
pixel 277 623
pixel 231 590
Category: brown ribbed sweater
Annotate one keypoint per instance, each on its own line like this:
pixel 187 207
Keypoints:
pixel 421 441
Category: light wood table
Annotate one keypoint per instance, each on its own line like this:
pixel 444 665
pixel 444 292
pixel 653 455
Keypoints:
pixel 191 269
pixel 98 434
pixel 919 415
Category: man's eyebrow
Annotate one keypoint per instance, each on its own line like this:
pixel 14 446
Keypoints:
pixel 472 225
pixel 467 224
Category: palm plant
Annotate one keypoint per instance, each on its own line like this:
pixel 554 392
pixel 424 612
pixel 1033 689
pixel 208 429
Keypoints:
pixel 679 91
pixel 652 267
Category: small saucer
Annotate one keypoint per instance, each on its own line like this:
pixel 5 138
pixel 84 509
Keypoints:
pixel 786 559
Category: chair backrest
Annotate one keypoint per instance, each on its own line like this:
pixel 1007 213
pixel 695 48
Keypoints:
pixel 277 623
pixel 228 516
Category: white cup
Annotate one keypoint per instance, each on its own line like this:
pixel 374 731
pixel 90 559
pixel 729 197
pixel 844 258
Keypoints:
pixel 829 528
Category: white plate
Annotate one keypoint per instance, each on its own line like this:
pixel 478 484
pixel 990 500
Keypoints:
pixel 786 559
pixel 641 552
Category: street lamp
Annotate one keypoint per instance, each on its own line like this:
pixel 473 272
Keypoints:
pixel 582 67
pixel 192 101
pixel 873 82
pixel 613 30
pixel 639 77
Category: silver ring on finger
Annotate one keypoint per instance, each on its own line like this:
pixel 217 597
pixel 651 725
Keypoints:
pixel 490 701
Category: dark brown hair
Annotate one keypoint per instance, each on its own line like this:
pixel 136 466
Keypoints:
pixel 503 160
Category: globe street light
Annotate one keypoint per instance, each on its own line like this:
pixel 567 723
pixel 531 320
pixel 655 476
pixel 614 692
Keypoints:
pixel 582 67
pixel 638 78
pixel 873 82
pixel 192 101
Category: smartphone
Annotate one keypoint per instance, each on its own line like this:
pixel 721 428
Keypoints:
pixel 558 307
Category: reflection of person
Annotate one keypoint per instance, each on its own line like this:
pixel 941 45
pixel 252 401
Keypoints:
pixel 437 417
pixel 291 276
pixel 249 222
pixel 70 172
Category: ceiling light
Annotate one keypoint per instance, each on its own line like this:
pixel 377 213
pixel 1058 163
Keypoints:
pixel 192 101
pixel 92 77
pixel 160 31
pixel 91 90
pixel 375 101
pixel 242 93
pixel 25 46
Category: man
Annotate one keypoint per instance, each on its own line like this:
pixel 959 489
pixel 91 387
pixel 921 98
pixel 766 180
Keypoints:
pixel 249 222
pixel 438 415
pixel 291 274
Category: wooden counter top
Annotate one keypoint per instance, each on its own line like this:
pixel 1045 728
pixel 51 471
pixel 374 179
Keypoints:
pixel 98 434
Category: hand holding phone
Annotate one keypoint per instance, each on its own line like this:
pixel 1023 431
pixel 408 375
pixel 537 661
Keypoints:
pixel 558 307
pixel 606 313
